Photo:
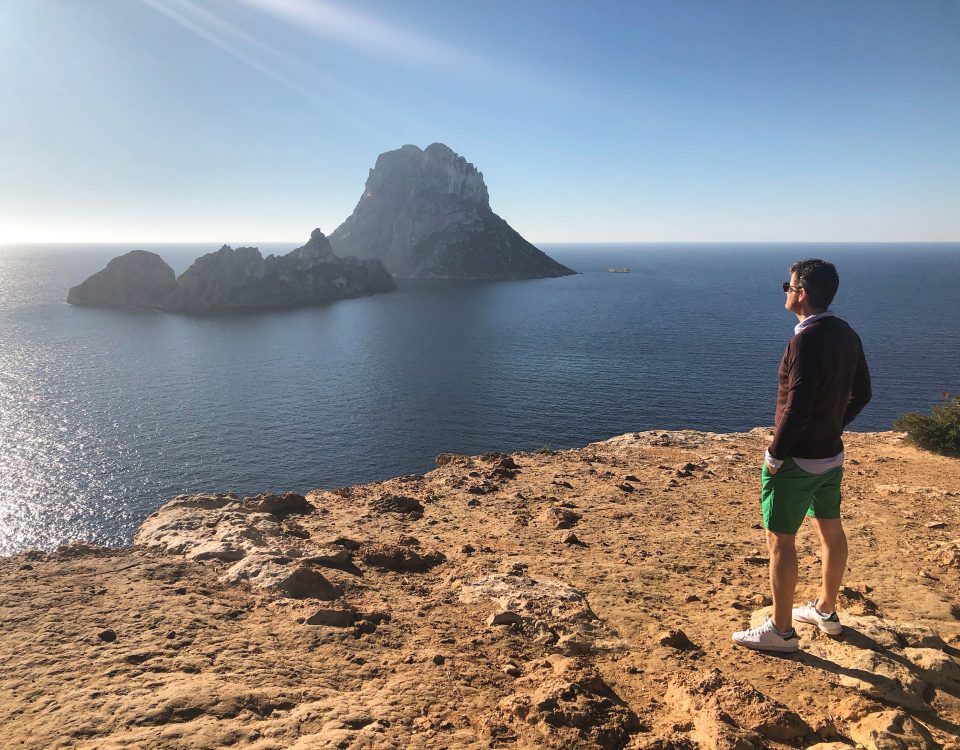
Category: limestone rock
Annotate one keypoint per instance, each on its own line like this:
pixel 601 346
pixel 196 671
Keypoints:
pixel 138 279
pixel 730 714
pixel 212 527
pixel 893 634
pixel 283 576
pixel 426 214
pixel 335 618
pixel 505 618
pixel 330 557
pixel 563 518
pixel 401 558
pixel 937 667
pixel 287 504
pixel 890 730
pixel 400 504
pixel 676 639
pixel 877 675
pixel 573 706
pixel 571 539
pixel 550 611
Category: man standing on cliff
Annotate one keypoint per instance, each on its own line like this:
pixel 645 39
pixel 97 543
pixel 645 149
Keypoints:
pixel 823 384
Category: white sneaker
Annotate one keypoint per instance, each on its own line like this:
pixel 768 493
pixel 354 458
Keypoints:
pixel 829 624
pixel 767 638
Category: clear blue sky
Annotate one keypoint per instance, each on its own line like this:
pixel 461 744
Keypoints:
pixel 672 120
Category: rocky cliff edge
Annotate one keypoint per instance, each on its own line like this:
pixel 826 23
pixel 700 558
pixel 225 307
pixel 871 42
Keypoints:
pixel 571 599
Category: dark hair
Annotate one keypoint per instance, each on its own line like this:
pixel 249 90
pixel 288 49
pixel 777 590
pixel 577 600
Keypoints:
pixel 819 278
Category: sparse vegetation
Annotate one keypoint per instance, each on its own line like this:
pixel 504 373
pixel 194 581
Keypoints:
pixel 545 451
pixel 938 431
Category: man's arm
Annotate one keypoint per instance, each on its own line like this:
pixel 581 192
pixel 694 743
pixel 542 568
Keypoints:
pixel 860 391
pixel 803 378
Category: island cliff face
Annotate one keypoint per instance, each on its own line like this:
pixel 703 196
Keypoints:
pixel 570 600
pixel 231 280
pixel 138 279
pixel 426 214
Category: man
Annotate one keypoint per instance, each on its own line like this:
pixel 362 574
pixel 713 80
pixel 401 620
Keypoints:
pixel 823 384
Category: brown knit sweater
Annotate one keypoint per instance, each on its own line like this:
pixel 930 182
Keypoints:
pixel 824 384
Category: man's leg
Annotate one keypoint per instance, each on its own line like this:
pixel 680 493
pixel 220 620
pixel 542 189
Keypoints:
pixel 783 577
pixel 833 544
pixel 783 505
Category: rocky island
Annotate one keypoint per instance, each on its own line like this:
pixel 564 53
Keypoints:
pixel 136 280
pixel 234 280
pixel 426 214
pixel 557 599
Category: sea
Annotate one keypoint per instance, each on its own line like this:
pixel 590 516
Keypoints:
pixel 107 414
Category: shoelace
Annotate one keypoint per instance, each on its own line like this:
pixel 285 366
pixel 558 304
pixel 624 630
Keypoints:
pixel 760 628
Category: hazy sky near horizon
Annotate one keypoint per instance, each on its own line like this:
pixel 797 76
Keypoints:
pixel 660 120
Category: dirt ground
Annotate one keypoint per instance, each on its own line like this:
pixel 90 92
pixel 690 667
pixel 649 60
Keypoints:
pixel 583 598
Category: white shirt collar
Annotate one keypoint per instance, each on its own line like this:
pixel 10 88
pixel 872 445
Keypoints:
pixel 828 313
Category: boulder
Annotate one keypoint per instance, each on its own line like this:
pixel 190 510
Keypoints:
pixel 890 730
pixel 212 527
pixel 549 611
pixel 400 504
pixel 283 576
pixel 676 639
pixel 136 280
pixel 334 618
pixel 937 667
pixel 573 706
pixel 562 518
pixel 730 713
pixel 287 504
pixel 400 558
pixel 426 214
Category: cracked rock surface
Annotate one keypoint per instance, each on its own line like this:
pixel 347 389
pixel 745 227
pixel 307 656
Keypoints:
pixel 419 613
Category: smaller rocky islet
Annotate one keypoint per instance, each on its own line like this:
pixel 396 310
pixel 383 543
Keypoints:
pixel 136 280
pixel 233 280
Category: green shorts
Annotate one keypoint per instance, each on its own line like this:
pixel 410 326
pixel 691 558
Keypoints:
pixel 792 493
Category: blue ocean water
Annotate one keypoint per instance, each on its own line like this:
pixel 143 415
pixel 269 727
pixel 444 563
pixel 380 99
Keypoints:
pixel 104 414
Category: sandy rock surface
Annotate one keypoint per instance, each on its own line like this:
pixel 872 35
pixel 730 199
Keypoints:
pixel 578 599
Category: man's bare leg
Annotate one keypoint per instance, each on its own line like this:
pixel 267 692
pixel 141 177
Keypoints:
pixel 833 543
pixel 783 577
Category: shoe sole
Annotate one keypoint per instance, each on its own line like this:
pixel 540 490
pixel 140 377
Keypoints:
pixel 785 649
pixel 820 625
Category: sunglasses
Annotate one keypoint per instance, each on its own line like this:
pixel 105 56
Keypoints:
pixel 788 288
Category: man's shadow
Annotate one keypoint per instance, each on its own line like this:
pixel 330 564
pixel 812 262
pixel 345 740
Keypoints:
pixel 857 639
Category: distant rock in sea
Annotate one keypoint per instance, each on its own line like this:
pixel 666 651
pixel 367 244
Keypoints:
pixel 236 280
pixel 137 280
pixel 426 214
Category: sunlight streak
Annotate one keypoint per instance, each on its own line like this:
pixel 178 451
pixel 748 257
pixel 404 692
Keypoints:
pixel 228 38
pixel 349 26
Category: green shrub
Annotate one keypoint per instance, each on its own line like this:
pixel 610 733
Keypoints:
pixel 938 431
pixel 545 451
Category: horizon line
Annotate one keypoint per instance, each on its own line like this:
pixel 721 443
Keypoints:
pixel 249 243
